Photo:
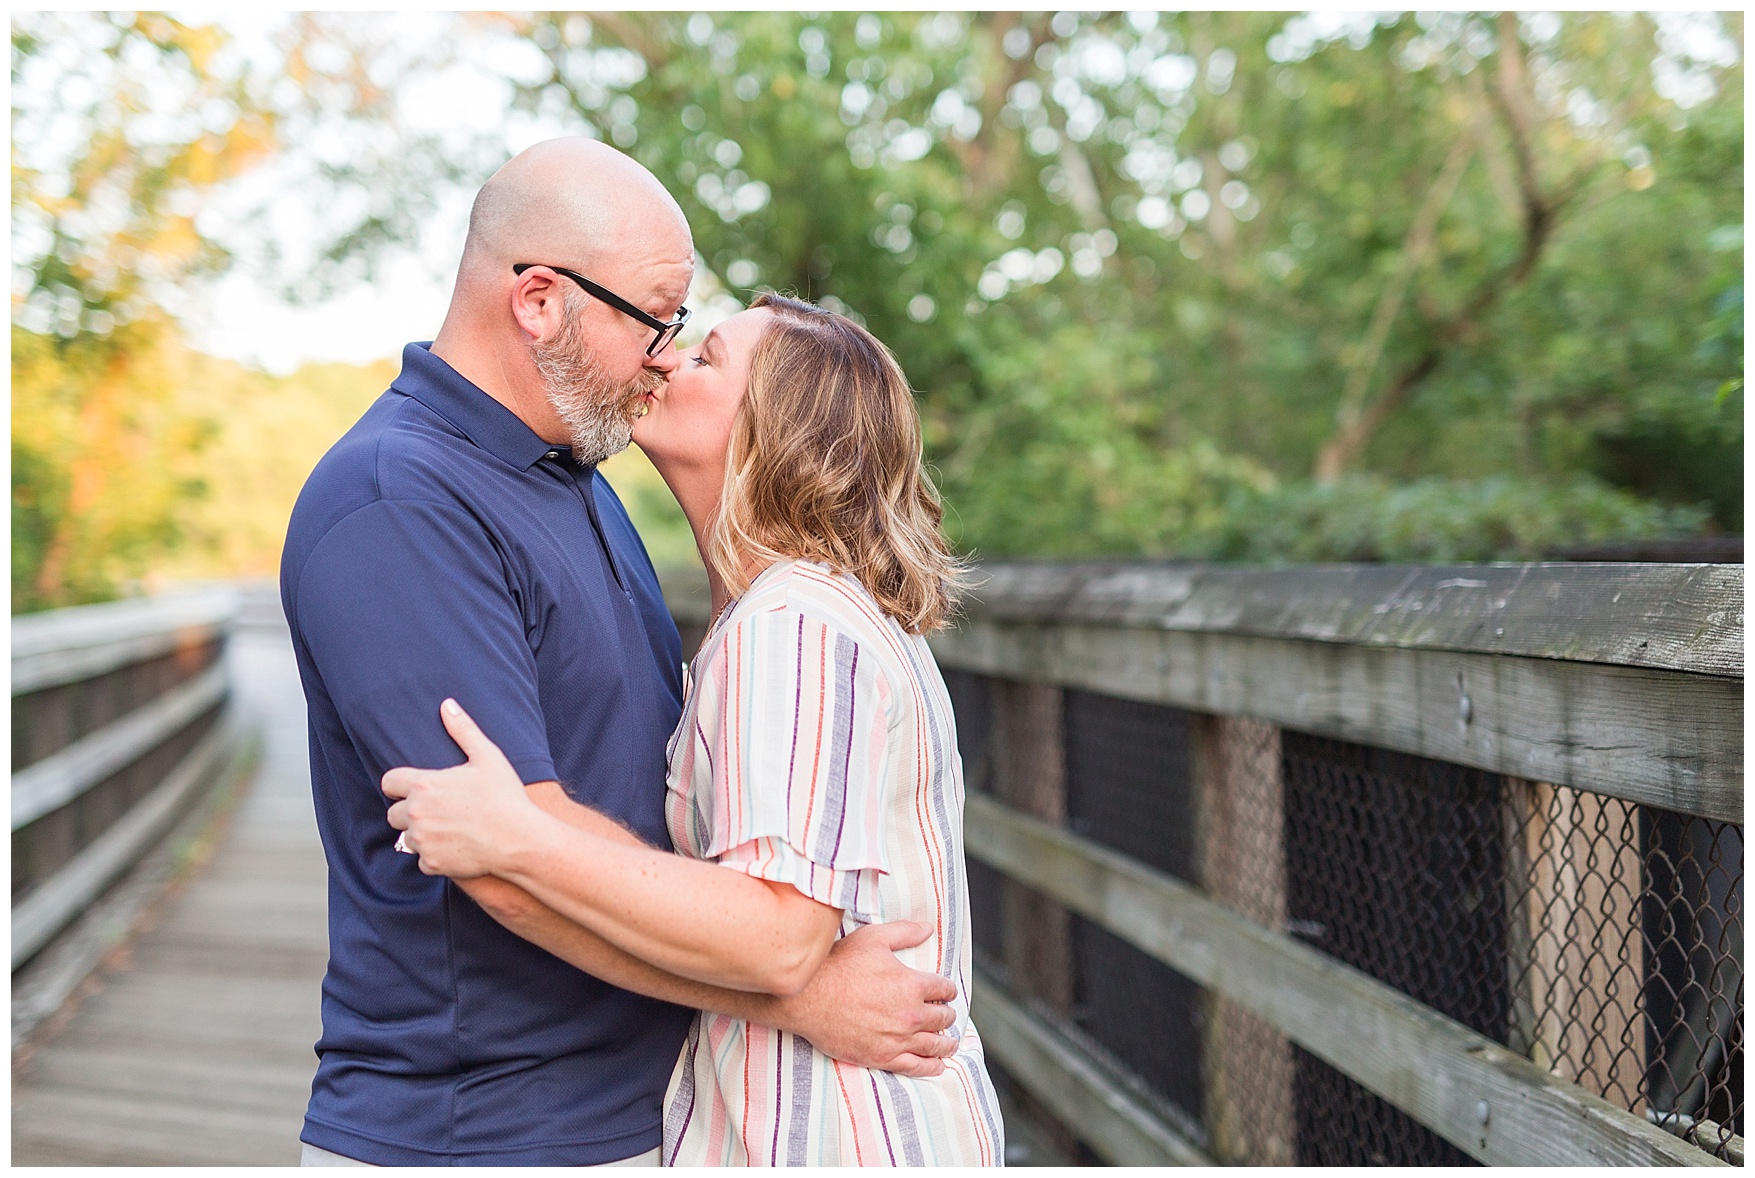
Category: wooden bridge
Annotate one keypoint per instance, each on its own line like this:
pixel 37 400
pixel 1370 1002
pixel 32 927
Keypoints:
pixel 1348 865
pixel 191 1045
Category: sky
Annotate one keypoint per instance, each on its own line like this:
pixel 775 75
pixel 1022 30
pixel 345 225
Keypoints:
pixel 243 317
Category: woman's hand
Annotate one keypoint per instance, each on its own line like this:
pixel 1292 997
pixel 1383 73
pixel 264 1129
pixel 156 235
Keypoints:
pixel 464 821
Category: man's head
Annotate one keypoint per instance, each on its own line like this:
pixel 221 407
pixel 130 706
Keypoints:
pixel 572 366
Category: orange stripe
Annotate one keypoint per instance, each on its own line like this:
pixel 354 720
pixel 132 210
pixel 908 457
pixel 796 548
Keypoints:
pixel 852 1118
pixel 822 695
pixel 737 729
pixel 976 1120
pixel 749 1048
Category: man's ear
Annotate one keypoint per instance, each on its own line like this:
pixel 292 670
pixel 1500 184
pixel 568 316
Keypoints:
pixel 536 302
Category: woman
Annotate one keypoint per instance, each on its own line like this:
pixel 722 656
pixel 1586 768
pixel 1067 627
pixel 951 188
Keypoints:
pixel 816 755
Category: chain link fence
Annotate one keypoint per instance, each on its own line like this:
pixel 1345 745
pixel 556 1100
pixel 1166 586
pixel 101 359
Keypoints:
pixel 1600 938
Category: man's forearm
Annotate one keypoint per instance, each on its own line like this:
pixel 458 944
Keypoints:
pixel 542 926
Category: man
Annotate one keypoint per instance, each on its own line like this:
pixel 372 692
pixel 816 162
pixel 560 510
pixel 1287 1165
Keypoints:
pixel 459 541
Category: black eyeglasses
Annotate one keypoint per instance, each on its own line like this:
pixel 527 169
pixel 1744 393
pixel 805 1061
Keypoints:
pixel 665 331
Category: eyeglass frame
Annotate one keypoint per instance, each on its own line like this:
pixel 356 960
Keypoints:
pixel 666 332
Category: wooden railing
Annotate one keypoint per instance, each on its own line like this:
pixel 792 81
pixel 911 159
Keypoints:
pixel 120 720
pixel 1615 681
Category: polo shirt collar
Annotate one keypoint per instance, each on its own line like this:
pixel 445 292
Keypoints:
pixel 480 418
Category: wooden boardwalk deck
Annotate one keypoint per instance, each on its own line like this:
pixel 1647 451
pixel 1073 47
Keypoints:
pixel 195 1048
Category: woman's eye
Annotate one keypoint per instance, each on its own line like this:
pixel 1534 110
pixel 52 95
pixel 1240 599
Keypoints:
pixel 699 361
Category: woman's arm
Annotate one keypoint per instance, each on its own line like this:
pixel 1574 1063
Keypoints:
pixel 686 917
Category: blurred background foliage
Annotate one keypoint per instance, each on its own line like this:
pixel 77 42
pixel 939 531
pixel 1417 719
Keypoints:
pixel 1226 285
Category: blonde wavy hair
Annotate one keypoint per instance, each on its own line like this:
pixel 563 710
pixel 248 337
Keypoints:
pixel 825 465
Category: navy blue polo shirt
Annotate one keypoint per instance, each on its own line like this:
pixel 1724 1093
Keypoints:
pixel 442 548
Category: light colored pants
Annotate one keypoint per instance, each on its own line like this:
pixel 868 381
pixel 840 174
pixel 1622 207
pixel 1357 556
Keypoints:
pixel 310 1155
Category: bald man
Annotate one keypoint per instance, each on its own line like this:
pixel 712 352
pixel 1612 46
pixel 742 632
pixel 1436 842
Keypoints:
pixel 459 541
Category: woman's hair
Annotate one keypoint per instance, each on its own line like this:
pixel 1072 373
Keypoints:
pixel 825 465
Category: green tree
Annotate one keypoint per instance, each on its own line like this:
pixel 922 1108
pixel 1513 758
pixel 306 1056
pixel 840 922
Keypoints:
pixel 1150 275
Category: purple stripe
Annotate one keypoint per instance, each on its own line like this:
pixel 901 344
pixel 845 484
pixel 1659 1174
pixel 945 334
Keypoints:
pixel 841 734
pixel 877 1101
pixel 706 745
pixel 779 1055
pixel 686 1088
pixel 906 1129
pixel 995 1127
pixel 798 1132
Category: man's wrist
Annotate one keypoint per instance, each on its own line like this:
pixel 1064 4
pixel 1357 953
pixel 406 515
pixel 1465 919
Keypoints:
pixel 754 1007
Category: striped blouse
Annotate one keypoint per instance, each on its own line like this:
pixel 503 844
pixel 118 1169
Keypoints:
pixel 817 748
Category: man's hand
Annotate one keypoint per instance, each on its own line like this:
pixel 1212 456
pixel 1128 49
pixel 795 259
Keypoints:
pixel 866 1008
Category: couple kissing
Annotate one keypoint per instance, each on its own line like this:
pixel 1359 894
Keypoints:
pixel 712 913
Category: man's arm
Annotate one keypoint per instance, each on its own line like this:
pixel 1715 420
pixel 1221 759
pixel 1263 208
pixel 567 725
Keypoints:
pixel 862 1006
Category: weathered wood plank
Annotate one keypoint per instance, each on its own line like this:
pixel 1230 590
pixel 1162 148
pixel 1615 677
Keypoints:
pixel 105 1068
pixel 1496 1106
pixel 1661 738
pixel 51 978
pixel 1119 1124
pixel 53 904
pixel 194 1046
pixel 66 645
pixel 144 1130
pixel 1573 879
pixel 1250 1075
pixel 57 779
pixel 1667 617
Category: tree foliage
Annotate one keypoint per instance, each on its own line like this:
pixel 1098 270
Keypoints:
pixel 1150 272
pixel 125 126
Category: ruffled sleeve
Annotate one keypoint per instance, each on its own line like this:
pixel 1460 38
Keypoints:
pixel 798 745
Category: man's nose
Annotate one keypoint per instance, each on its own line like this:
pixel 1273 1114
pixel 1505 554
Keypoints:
pixel 665 362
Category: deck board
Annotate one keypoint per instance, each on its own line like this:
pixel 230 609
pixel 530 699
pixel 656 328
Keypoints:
pixel 197 1048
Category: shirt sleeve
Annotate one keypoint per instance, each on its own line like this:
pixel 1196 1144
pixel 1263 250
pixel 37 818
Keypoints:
pixel 798 746
pixel 402 604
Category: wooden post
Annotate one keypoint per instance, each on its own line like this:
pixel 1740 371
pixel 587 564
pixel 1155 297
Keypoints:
pixel 1576 942
pixel 1029 774
pixel 1249 1080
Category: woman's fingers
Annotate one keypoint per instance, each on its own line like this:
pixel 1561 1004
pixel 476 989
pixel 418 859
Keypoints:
pixel 468 735
pixel 399 782
pixel 398 815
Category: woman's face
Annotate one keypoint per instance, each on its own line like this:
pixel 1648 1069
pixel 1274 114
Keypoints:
pixel 688 418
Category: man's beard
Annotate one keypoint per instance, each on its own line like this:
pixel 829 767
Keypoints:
pixel 598 411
